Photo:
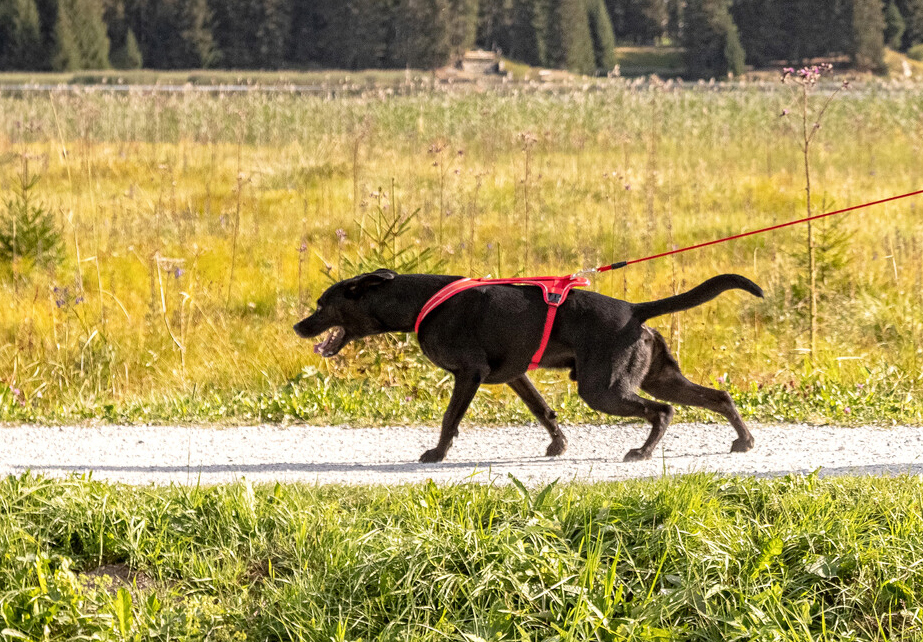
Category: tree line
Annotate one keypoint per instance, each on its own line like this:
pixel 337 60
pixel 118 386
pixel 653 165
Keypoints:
pixel 719 36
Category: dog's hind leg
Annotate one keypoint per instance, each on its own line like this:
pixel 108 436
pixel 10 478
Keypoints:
pixel 665 381
pixel 466 385
pixel 523 387
pixel 612 401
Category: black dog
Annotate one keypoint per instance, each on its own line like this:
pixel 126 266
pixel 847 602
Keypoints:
pixel 489 334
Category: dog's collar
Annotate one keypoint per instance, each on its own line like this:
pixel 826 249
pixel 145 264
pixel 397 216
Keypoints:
pixel 554 288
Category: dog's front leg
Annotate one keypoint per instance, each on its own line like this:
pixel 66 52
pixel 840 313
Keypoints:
pixel 466 385
pixel 523 387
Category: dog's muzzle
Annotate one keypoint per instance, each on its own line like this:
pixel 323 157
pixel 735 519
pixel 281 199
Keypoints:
pixel 332 343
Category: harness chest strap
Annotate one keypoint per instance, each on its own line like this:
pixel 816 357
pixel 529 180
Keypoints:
pixel 554 289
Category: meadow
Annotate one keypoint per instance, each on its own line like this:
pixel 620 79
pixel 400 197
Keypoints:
pixel 797 558
pixel 195 228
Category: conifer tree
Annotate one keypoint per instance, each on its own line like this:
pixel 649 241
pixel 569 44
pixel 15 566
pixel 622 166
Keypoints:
pixel 20 35
pixel 570 45
pixel 66 50
pixel 421 35
pixel 529 25
pixel 234 28
pixel 867 42
pixel 80 38
pixel 462 25
pixel 894 26
pixel 494 25
pixel 603 38
pixel 90 32
pixel 128 56
pixel 711 40
pixel 273 32
pixel 912 11
pixel 764 28
pixel 639 21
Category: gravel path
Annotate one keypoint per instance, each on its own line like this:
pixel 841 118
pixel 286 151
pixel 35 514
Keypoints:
pixel 327 455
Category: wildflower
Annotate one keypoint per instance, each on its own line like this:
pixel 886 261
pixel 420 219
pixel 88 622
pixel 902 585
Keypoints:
pixel 341 234
pixel 61 296
pixel 178 272
pixel 18 396
pixel 784 113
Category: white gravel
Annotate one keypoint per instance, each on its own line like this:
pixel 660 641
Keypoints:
pixel 335 455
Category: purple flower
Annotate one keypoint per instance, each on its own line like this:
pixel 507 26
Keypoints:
pixel 178 272
pixel 61 296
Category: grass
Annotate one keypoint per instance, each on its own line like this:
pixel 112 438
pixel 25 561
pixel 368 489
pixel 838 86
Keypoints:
pixel 692 558
pixel 894 61
pixel 157 196
pixel 666 62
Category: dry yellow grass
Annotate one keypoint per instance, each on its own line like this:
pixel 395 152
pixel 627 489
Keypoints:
pixel 153 193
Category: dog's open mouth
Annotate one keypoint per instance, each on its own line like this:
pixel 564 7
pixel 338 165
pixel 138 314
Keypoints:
pixel 332 343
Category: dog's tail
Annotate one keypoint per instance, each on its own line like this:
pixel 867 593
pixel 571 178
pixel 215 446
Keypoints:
pixel 696 296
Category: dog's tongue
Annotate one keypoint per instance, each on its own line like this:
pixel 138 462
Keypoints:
pixel 328 346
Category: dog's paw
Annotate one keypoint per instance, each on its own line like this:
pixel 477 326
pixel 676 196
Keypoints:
pixel 556 447
pixel 432 456
pixel 636 454
pixel 742 445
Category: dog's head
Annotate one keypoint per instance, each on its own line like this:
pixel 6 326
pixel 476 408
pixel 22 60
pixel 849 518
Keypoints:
pixel 345 310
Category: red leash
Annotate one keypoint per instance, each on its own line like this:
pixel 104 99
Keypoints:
pixel 621 264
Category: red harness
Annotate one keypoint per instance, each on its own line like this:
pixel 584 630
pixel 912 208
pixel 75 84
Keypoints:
pixel 554 288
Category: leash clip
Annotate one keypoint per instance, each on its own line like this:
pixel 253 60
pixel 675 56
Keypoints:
pixel 584 272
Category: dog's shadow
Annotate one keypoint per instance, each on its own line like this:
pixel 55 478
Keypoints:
pixel 307 468
pixel 398 467
pixel 544 464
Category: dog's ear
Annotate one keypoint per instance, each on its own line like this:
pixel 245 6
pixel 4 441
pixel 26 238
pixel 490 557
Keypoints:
pixel 360 284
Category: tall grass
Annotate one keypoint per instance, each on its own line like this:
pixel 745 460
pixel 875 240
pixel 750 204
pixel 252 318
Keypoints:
pixel 692 558
pixel 198 228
